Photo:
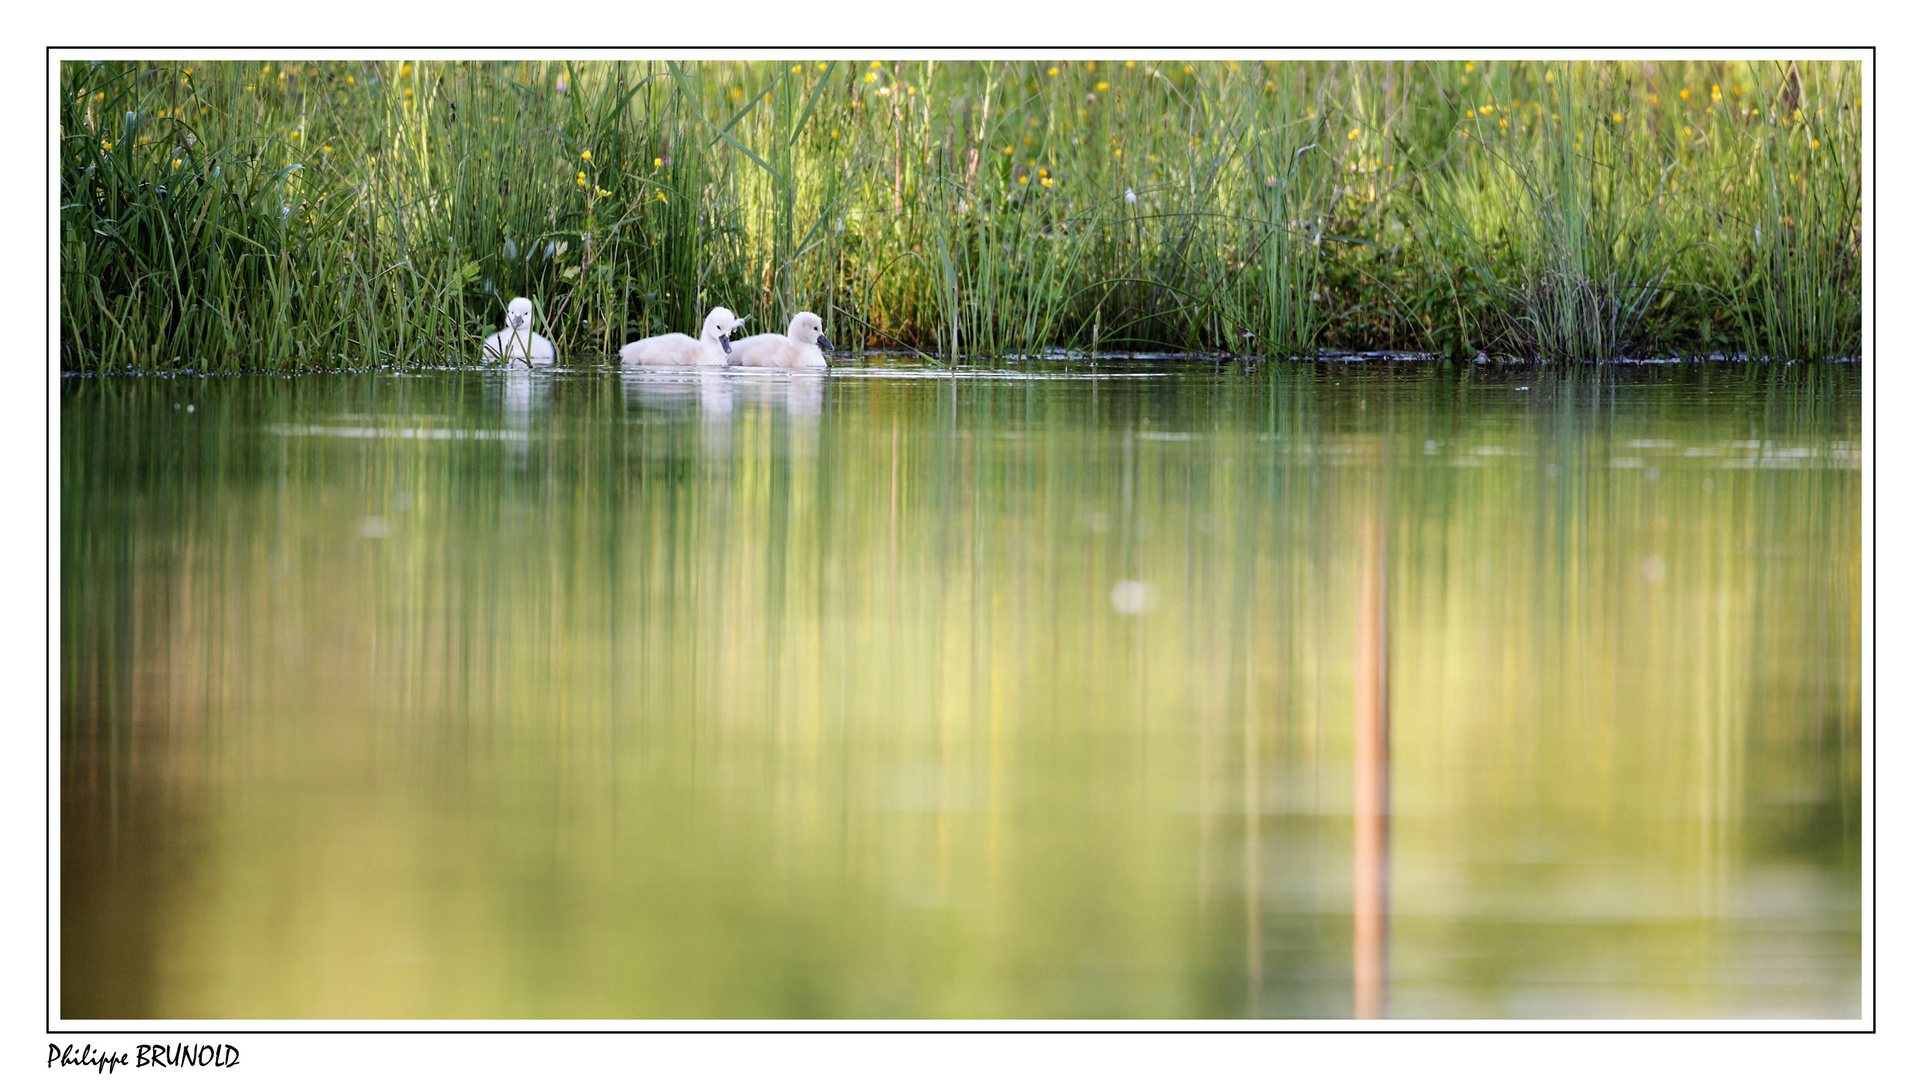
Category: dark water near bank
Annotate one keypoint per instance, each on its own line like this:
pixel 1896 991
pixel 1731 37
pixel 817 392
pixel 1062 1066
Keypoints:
pixel 575 694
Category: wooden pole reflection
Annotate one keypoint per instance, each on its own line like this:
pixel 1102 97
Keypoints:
pixel 1371 777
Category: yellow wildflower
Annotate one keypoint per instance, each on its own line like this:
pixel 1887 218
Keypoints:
pixel 1813 143
pixel 405 70
pixel 821 66
pixel 1354 133
pixel 661 195
pixel 1617 117
pixel 580 179
pixel 657 163
pixel 350 80
pixel 870 76
pixel 1054 71
pixel 1047 181
pixel 1685 95
pixel 1127 63
pixel 1022 179
pixel 176 163
pixel 1100 88
pixel 105 145
pixel 587 155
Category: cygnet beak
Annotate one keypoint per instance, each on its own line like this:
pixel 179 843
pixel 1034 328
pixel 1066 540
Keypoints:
pixel 822 341
pixel 725 347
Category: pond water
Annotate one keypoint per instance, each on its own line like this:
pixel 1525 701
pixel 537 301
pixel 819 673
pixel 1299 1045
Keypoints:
pixel 1132 689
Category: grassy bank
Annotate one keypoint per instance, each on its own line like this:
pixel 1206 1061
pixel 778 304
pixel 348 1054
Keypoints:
pixel 292 216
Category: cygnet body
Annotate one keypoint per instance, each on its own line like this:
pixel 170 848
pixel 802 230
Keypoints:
pixel 519 341
pixel 803 346
pixel 679 350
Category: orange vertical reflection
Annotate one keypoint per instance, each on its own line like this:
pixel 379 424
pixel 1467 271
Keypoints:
pixel 1371 778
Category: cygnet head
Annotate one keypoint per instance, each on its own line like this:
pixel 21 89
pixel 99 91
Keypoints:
pixel 806 328
pixel 721 323
pixel 520 312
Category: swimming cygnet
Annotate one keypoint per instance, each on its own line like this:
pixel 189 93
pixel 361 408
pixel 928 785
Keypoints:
pixel 519 341
pixel 679 350
pixel 803 346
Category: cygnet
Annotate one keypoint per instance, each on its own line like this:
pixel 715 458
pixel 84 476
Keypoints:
pixel 679 350
pixel 519 341
pixel 803 346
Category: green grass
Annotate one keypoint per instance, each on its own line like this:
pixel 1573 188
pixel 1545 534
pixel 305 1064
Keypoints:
pixel 300 216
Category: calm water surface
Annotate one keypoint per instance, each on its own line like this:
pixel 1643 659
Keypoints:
pixel 1291 691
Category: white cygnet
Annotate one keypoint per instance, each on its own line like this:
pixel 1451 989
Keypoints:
pixel 519 341
pixel 679 350
pixel 803 346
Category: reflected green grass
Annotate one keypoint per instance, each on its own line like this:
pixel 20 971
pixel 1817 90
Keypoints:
pixel 582 694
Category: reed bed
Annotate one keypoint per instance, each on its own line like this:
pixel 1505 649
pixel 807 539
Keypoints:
pixel 310 216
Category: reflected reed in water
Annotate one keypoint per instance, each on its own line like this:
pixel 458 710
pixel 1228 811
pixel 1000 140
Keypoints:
pixel 598 694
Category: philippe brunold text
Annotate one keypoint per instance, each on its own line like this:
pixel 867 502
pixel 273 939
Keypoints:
pixel 204 1055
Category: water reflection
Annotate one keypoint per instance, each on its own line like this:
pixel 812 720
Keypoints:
pixel 595 694
pixel 522 397
pixel 1372 776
